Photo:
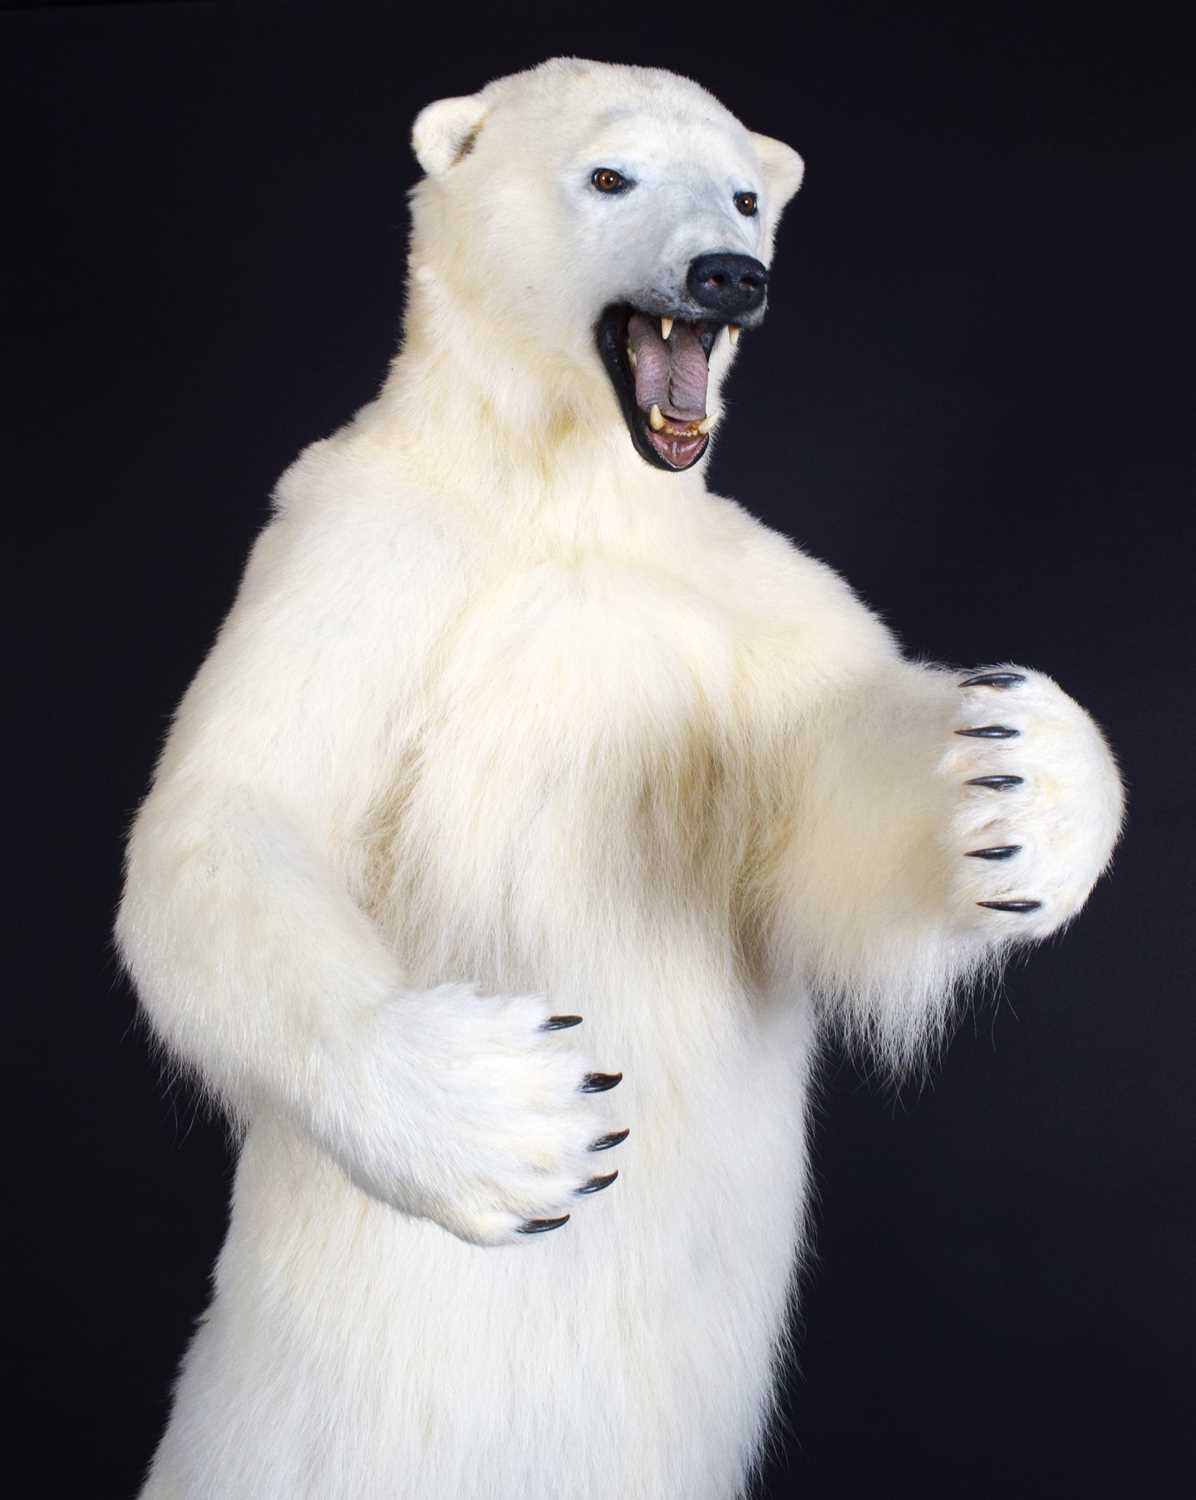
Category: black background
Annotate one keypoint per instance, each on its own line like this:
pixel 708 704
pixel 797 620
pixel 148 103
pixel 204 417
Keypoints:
pixel 973 397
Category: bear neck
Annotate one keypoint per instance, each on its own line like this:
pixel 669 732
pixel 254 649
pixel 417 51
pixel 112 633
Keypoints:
pixel 515 430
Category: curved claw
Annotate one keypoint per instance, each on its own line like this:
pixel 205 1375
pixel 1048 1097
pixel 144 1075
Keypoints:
pixel 993 679
pixel 997 851
pixel 605 1142
pixel 991 732
pixel 596 1184
pixel 560 1023
pixel 598 1083
pixel 1016 906
pixel 542 1226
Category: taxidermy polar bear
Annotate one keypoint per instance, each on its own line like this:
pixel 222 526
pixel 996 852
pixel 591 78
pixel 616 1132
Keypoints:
pixel 515 726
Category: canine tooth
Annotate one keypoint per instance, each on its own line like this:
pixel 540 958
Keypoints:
pixel 631 359
pixel 655 419
pixel 666 327
pixel 705 425
pixel 733 332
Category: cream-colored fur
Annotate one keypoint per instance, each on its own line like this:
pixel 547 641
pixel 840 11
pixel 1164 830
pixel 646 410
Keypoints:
pixel 506 723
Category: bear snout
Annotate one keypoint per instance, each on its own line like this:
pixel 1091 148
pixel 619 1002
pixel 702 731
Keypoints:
pixel 730 285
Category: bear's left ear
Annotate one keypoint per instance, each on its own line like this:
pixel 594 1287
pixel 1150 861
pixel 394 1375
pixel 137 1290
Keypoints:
pixel 444 132
pixel 783 168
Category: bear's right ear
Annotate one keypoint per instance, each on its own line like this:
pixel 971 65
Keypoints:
pixel 444 132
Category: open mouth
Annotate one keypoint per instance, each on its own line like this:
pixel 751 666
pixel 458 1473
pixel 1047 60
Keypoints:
pixel 660 369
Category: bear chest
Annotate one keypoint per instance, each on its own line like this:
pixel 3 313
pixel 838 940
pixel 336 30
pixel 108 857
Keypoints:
pixel 588 668
pixel 582 737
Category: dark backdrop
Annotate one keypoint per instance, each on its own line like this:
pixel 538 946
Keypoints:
pixel 972 397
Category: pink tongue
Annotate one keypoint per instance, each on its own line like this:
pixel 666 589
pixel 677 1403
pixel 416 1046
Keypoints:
pixel 669 373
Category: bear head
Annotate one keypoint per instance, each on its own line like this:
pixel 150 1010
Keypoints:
pixel 599 228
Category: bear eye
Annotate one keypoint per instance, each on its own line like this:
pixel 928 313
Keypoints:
pixel 607 180
pixel 746 203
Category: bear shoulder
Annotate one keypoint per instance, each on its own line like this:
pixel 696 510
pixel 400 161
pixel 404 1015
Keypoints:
pixel 791 593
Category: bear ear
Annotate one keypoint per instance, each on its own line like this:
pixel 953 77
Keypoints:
pixel 444 132
pixel 783 168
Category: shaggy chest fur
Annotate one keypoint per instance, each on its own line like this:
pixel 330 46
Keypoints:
pixel 581 760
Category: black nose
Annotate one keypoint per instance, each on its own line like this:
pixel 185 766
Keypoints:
pixel 728 284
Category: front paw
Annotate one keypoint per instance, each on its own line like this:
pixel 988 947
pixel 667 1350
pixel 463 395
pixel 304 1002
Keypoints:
pixel 1037 804
pixel 477 1112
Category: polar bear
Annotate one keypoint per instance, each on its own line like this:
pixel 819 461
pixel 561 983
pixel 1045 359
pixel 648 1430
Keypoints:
pixel 524 767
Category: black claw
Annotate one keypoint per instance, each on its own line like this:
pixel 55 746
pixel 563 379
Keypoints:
pixel 1018 906
pixel 993 679
pixel 560 1023
pixel 991 732
pixel 998 851
pixel 598 1083
pixel 596 1184
pixel 542 1226
pixel 605 1142
pixel 998 783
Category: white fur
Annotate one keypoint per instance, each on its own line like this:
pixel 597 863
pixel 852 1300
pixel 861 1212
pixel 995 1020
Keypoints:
pixel 506 723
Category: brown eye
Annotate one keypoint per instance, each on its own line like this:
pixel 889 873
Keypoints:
pixel 746 203
pixel 607 180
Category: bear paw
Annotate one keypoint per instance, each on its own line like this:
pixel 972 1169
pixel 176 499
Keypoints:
pixel 1037 804
pixel 476 1112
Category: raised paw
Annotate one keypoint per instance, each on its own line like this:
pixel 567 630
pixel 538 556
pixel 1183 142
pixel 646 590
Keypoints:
pixel 480 1115
pixel 1036 804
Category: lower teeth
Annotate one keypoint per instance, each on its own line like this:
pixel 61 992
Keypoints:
pixel 657 422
